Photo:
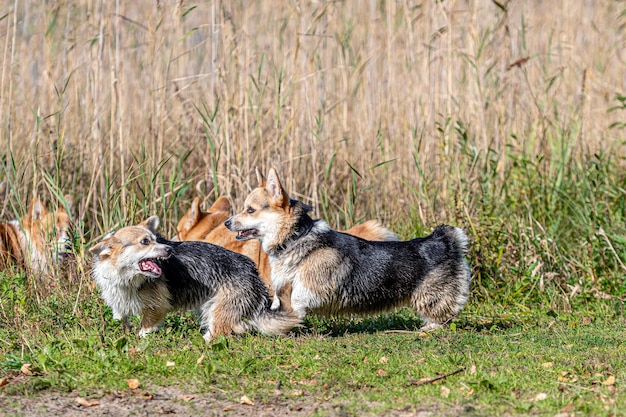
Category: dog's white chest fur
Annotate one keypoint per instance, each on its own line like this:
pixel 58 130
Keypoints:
pixel 121 295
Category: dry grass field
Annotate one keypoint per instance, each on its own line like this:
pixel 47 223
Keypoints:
pixel 367 107
pixel 507 118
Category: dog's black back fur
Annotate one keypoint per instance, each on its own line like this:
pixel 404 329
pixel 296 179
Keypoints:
pixel 387 273
pixel 196 270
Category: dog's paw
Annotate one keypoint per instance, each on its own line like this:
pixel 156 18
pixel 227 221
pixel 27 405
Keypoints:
pixel 126 323
pixel 429 327
pixel 146 331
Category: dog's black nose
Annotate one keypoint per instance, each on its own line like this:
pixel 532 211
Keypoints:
pixel 168 250
pixel 227 223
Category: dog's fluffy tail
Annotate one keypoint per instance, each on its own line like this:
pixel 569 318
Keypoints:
pixel 276 322
pixel 454 235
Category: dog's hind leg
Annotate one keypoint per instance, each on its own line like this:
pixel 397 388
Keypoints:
pixel 440 297
pixel 220 316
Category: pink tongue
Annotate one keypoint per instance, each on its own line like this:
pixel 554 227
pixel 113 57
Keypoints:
pixel 149 266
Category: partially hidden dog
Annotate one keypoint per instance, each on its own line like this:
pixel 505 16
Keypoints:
pixel 335 273
pixel 139 272
pixel 36 239
pixel 209 227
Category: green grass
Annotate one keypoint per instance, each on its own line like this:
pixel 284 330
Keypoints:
pixel 507 360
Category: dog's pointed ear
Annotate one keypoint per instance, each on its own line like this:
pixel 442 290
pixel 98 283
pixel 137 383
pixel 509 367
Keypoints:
pixel 221 204
pixel 275 189
pixel 101 249
pixel 260 178
pixel 190 218
pixel 151 223
pixel 194 212
pixel 37 210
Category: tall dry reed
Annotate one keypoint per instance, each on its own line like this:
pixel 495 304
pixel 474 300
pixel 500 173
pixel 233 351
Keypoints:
pixel 366 108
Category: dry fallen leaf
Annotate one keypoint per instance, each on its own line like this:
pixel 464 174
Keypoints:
pixel 472 370
pixel 133 383
pixel 144 395
pixel 547 364
pixel 186 398
pixel 3 382
pixel 383 360
pixel 86 403
pixel 228 408
pixel 382 372
pixel 445 391
pixel 170 363
pixel 27 369
pixel 245 400
pixel 610 380
pixel 200 359
pixel 540 397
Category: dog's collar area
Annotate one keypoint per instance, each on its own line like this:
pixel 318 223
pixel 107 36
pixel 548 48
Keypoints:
pixel 302 230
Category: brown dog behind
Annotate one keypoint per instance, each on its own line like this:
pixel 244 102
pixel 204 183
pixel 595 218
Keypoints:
pixel 37 238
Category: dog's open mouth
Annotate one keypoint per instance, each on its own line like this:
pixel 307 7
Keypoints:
pixel 149 266
pixel 246 234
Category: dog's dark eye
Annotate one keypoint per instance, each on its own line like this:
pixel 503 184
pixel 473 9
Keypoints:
pixel 250 210
pixel 145 241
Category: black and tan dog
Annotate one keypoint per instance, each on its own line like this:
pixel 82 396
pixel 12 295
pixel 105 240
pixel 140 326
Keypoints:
pixel 209 227
pixel 336 273
pixel 139 272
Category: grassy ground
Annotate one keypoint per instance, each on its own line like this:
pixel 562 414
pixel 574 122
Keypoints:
pixel 487 362
pixel 504 118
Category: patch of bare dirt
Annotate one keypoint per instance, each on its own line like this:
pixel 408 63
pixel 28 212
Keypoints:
pixel 171 401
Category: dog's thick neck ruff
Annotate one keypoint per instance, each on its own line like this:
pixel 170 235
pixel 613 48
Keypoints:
pixel 304 226
pixel 294 227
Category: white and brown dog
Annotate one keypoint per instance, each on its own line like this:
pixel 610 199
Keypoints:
pixel 139 272
pixel 36 239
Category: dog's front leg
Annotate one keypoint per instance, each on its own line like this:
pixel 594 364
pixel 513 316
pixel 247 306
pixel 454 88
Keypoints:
pixel 276 302
pixel 123 318
pixel 302 300
pixel 278 284
pixel 151 321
